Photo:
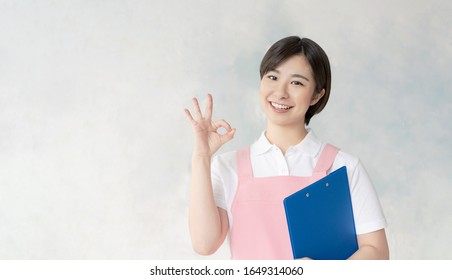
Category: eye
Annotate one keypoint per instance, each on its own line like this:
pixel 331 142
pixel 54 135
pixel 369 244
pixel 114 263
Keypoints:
pixel 271 77
pixel 297 83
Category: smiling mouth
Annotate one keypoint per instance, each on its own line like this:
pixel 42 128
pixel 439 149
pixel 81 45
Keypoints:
pixel 280 106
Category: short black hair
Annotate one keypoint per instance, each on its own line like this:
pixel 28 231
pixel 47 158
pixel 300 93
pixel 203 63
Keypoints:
pixel 316 57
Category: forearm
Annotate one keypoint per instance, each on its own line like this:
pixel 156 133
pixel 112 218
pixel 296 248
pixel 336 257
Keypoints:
pixel 208 224
pixel 204 218
pixel 372 246
pixel 368 252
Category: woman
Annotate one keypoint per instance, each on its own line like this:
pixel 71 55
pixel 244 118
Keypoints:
pixel 241 192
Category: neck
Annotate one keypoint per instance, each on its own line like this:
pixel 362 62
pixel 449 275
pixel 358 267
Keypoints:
pixel 284 137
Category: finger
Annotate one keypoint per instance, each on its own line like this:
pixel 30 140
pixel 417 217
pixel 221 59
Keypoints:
pixel 189 116
pixel 222 123
pixel 228 136
pixel 198 114
pixel 209 107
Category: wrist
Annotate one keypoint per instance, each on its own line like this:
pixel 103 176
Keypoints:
pixel 201 157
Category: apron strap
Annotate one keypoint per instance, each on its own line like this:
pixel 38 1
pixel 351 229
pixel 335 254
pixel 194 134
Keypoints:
pixel 326 159
pixel 244 168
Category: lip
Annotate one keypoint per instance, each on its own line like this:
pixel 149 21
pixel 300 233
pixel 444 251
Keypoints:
pixel 279 110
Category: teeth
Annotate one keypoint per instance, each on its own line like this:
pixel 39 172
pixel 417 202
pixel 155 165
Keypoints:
pixel 279 106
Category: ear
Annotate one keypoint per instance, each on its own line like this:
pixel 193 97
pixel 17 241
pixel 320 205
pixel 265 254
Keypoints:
pixel 316 97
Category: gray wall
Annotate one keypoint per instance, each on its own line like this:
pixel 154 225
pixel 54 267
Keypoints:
pixel 95 149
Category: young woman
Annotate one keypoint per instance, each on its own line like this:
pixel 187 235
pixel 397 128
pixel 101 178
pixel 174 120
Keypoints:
pixel 241 192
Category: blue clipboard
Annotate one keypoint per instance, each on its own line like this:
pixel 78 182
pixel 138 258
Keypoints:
pixel 320 219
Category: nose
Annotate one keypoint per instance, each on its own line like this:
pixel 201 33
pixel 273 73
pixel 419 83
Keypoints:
pixel 281 91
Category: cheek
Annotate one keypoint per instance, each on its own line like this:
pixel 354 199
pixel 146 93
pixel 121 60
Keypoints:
pixel 264 88
pixel 263 94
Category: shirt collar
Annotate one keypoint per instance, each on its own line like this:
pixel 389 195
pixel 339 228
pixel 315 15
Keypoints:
pixel 310 145
pixel 261 146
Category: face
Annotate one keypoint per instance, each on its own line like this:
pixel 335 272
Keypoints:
pixel 287 92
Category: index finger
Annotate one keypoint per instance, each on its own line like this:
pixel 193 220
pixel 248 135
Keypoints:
pixel 209 107
pixel 189 116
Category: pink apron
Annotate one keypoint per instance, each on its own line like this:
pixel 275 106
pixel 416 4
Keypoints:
pixel 259 228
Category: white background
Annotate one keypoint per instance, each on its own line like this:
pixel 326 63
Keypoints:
pixel 95 149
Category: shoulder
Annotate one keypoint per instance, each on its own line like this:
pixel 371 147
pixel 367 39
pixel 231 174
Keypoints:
pixel 316 145
pixel 226 158
pixel 358 176
pixel 355 168
pixel 224 163
pixel 346 159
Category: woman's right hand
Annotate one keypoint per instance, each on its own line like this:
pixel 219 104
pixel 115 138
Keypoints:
pixel 207 138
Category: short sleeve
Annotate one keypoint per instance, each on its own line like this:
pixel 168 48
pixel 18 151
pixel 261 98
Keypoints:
pixel 217 183
pixel 367 210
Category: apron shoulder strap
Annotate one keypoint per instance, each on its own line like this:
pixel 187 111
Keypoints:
pixel 244 168
pixel 326 159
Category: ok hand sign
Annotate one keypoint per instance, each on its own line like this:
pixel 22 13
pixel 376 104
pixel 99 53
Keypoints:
pixel 207 138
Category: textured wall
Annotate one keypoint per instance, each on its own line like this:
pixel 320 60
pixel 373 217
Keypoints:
pixel 95 149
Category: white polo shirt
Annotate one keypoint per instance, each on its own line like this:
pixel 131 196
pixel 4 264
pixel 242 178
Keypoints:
pixel 267 160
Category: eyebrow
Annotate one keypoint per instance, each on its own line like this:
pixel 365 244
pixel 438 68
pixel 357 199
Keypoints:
pixel 293 75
